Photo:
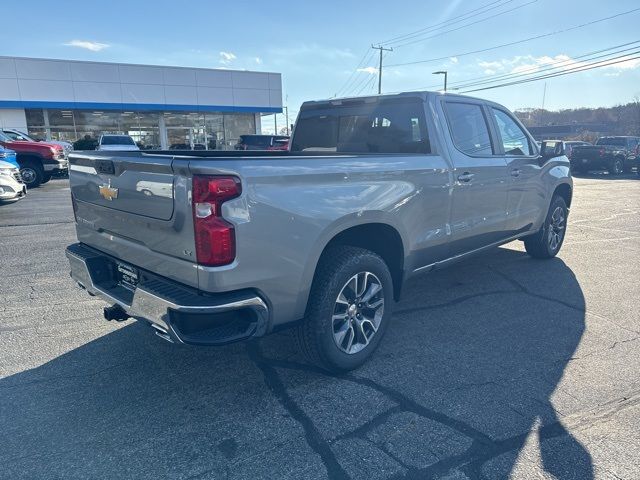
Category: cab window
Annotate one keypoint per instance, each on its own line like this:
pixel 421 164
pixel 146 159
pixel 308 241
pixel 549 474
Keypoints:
pixel 514 140
pixel 469 129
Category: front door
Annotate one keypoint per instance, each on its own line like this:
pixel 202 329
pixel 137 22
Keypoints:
pixel 479 193
pixel 526 199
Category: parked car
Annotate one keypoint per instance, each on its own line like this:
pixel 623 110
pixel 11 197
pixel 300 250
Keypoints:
pixel 11 186
pixel 569 144
pixel 38 161
pixel 9 156
pixel 116 143
pixel 323 236
pixel 615 154
pixel 18 135
pixel 262 142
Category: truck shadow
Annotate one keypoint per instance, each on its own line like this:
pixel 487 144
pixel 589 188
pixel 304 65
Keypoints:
pixel 468 375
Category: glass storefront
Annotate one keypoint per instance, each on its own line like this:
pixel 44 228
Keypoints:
pixel 150 130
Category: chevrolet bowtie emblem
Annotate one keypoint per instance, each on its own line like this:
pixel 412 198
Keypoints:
pixel 108 192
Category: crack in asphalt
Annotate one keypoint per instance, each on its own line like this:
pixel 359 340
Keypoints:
pixel 312 435
pixel 482 449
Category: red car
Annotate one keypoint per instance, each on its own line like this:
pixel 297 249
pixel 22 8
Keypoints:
pixel 38 161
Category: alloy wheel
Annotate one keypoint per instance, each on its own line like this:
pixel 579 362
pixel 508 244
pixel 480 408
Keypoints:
pixel 556 228
pixel 358 312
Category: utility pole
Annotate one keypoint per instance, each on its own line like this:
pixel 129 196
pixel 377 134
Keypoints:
pixel 443 72
pixel 381 49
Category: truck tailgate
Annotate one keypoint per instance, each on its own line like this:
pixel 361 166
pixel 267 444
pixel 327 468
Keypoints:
pixel 136 207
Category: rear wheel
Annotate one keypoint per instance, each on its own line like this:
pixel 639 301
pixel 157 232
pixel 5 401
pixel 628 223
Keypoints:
pixel 348 311
pixel 32 174
pixel 547 241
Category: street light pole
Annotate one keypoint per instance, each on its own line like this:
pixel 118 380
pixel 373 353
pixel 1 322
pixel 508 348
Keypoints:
pixel 443 72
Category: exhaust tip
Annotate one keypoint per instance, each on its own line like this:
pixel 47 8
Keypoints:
pixel 115 312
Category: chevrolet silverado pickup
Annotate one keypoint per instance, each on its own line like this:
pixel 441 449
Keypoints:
pixel 215 247
pixel 615 154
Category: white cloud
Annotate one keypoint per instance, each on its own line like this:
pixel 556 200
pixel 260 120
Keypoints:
pixel 454 59
pixel 258 60
pixel 93 46
pixel 369 70
pixel 529 64
pixel 227 57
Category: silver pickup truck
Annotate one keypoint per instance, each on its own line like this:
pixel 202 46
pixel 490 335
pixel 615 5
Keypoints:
pixel 213 247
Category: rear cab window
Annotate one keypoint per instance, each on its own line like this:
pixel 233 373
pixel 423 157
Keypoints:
pixel 381 126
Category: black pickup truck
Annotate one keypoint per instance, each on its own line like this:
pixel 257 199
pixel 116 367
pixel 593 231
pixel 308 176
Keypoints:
pixel 615 154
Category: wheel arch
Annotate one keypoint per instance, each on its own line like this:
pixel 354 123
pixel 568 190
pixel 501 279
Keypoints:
pixel 565 191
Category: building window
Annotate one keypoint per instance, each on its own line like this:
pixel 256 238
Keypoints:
pixel 190 130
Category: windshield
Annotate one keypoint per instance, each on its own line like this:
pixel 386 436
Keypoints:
pixel 616 141
pixel 19 136
pixel 117 140
pixel 5 138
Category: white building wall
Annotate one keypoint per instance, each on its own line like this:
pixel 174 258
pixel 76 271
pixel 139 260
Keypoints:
pixel 13 118
pixel 42 83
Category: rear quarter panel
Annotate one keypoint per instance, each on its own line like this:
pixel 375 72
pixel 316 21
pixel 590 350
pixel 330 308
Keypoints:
pixel 291 207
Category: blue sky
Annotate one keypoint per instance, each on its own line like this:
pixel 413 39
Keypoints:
pixel 317 45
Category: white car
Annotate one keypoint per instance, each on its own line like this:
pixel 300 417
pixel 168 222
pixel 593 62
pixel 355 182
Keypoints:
pixel 116 142
pixel 11 186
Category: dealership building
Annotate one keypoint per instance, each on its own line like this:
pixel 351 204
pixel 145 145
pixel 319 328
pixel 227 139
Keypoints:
pixel 160 107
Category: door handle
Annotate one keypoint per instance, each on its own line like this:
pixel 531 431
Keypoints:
pixel 515 172
pixel 466 177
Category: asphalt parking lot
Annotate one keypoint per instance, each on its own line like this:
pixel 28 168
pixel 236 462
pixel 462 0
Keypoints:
pixel 500 367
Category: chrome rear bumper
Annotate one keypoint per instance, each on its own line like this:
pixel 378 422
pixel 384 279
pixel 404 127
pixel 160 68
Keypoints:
pixel 182 313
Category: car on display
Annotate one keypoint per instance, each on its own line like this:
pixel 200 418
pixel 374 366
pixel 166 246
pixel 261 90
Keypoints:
pixel 18 135
pixel 262 142
pixel 11 186
pixel 116 143
pixel 322 237
pixel 615 154
pixel 38 161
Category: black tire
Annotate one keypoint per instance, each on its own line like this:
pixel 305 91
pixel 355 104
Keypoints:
pixel 316 335
pixel 541 244
pixel 32 173
pixel 46 178
pixel 617 166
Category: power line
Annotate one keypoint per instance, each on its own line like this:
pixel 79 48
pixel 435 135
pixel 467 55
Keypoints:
pixel 463 54
pixel 362 62
pixel 532 71
pixel 553 66
pixel 465 25
pixel 437 26
pixel 582 68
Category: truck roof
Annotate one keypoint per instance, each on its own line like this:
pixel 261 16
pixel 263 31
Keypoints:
pixel 423 94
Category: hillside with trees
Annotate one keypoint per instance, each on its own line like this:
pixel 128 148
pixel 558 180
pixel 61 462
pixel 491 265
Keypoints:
pixel 618 120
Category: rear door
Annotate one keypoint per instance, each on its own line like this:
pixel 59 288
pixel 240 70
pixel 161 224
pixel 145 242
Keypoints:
pixel 480 178
pixel 526 197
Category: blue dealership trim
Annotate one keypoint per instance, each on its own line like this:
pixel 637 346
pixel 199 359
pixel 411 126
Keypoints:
pixel 136 106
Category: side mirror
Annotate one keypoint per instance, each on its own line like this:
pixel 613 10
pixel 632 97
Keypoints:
pixel 551 148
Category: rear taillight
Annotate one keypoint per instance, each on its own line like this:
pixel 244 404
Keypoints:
pixel 214 236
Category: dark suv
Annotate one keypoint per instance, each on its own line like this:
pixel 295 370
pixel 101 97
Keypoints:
pixel 615 154
pixel 262 142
